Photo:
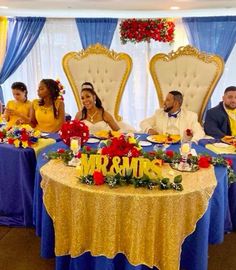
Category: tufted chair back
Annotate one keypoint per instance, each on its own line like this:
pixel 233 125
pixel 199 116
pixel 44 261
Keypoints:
pixel 107 70
pixel 193 73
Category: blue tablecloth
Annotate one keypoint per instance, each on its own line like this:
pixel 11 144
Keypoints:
pixel 194 256
pixel 17 174
pixel 232 187
pixel 17 170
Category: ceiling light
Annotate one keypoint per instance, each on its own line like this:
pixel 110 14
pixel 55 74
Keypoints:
pixel 3 7
pixel 174 8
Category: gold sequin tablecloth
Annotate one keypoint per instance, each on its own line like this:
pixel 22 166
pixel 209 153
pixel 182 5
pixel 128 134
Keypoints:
pixel 148 226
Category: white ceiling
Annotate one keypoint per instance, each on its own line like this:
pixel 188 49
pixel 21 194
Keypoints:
pixel 117 8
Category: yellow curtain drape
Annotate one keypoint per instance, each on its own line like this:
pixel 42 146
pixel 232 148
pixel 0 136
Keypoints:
pixel 3 38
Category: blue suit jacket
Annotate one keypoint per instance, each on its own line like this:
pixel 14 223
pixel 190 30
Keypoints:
pixel 217 122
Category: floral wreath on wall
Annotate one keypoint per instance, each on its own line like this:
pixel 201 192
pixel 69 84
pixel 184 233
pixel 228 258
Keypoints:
pixel 138 30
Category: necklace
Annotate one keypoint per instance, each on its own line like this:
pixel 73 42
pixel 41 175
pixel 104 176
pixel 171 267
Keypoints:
pixel 92 116
pixel 44 109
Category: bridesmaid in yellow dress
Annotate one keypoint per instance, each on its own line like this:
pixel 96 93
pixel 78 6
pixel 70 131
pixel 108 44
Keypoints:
pixel 48 112
pixel 18 110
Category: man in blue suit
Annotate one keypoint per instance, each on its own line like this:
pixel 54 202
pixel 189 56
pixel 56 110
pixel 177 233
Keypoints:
pixel 221 120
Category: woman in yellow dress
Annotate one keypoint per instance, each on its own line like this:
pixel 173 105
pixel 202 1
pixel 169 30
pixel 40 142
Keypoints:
pixel 48 112
pixel 17 111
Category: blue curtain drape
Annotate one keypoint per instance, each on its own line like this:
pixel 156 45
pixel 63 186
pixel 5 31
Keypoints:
pixel 21 37
pixel 96 30
pixel 212 34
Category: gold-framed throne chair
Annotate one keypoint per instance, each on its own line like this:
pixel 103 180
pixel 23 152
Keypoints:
pixel 107 70
pixel 190 71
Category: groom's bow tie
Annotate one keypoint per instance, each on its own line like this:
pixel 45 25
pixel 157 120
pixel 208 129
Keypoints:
pixel 173 114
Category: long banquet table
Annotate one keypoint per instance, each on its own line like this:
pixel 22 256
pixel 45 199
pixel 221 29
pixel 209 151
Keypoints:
pixel 209 229
pixel 17 174
pixel 17 170
pixel 231 224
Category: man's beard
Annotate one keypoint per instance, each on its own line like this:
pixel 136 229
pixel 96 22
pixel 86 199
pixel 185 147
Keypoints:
pixel 168 109
pixel 229 107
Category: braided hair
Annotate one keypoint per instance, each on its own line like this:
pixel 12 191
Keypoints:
pixel 87 86
pixel 54 94
pixel 21 87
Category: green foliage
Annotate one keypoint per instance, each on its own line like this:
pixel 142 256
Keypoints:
pixel 118 180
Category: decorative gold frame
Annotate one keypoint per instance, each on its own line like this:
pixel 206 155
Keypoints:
pixel 98 49
pixel 184 51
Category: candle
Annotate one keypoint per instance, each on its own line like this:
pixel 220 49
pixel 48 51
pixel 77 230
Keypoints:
pixel 185 148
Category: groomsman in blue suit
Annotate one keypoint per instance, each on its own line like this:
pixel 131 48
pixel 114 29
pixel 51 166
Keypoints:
pixel 173 119
pixel 221 120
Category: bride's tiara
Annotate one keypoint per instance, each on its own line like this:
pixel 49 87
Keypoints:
pixel 86 86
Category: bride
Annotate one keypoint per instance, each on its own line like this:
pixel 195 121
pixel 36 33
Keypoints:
pixel 93 113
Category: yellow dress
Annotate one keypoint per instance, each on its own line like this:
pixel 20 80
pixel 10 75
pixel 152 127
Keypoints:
pixel 21 107
pixel 46 122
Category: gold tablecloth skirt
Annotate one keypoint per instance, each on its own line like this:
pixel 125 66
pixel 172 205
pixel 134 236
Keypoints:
pixel 148 226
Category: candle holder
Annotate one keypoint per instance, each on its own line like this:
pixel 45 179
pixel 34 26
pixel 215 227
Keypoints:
pixel 185 150
pixel 75 145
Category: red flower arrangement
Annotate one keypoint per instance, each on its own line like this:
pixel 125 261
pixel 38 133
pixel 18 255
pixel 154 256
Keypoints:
pixel 74 128
pixel 121 146
pixel 134 30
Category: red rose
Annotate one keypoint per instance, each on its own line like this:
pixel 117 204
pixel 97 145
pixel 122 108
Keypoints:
pixel 189 132
pixel 78 155
pixel 204 162
pixel 10 140
pixel 98 178
pixel 229 162
pixel 170 153
pixel 88 148
pixel 60 151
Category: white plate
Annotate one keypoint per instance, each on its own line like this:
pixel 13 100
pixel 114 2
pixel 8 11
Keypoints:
pixel 44 134
pixel 222 145
pixel 93 140
pixel 144 143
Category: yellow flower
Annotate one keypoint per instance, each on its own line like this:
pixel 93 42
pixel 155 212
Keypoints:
pixel 24 144
pixel 132 140
pixel 37 133
pixel 27 127
pixel 17 143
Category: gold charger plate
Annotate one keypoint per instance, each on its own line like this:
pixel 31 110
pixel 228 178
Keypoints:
pixel 165 139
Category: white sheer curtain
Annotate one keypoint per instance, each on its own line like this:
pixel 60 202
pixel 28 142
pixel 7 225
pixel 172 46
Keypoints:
pixel 58 37
pixel 139 101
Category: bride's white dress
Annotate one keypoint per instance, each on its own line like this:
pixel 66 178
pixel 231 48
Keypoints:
pixel 94 127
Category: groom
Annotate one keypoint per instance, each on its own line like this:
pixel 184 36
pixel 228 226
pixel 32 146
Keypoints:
pixel 172 119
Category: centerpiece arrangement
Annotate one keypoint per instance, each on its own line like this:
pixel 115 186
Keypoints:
pixel 74 128
pixel 21 136
pixel 118 161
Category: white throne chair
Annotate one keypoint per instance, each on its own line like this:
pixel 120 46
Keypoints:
pixel 193 73
pixel 107 70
